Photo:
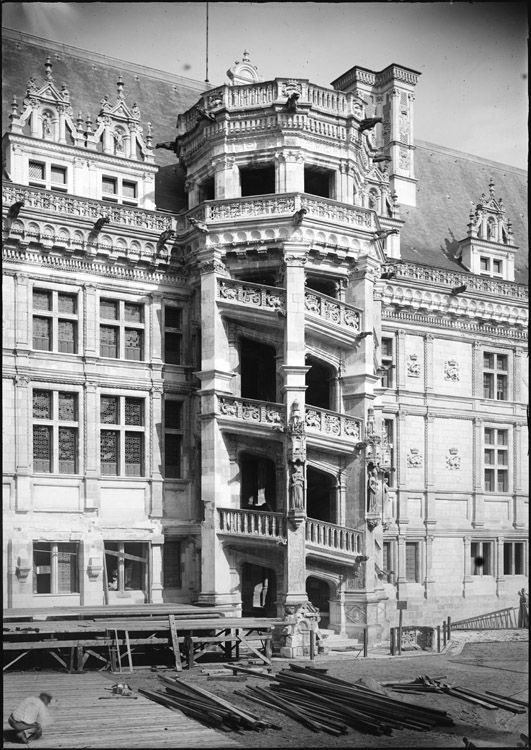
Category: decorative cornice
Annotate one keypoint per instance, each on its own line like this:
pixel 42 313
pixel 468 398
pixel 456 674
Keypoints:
pixel 438 321
pixel 84 266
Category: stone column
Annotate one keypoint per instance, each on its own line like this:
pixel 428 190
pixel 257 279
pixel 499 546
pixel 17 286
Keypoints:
pixel 91 446
pixel 215 377
pixel 500 577
pixel 478 516
pixel 467 567
pixel 23 426
pixel 428 363
pixel 156 569
pixel 156 510
pixel 90 318
pixel 401 473
pixel 401 581
pixel 289 172
pixel 401 364
pixel 429 581
pixel 294 370
pixel 430 448
pixel 520 515
pixel 156 314
pixel 226 182
pixel 23 304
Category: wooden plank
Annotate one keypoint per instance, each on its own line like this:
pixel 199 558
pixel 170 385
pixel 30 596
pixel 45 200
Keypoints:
pixel 175 643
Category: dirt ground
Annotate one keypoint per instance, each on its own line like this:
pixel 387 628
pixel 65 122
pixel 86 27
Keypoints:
pixel 501 666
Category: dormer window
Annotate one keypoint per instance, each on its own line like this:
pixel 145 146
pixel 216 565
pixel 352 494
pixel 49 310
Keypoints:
pixel 116 190
pixel 48 176
pixel 490 267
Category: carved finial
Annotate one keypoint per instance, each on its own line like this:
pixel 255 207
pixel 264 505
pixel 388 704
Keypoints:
pixel 120 87
pixel 88 124
pixel 79 120
pixel 14 106
pixel 48 68
pixel 246 57
pixel 491 187
pixel 135 111
pixel 65 93
pixel 149 136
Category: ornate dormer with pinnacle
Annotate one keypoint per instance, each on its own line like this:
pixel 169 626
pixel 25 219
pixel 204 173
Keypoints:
pixel 244 72
pixel 119 130
pixel 46 112
pixel 104 158
pixel 489 249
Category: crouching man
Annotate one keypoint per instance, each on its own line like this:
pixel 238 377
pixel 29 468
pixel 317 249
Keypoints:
pixel 30 716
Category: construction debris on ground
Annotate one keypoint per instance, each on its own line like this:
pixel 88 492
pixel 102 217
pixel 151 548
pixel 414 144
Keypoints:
pixel 489 700
pixel 308 695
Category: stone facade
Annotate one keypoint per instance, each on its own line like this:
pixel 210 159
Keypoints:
pixel 256 403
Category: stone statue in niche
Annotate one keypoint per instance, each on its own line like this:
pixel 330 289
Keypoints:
pixel 413 366
pixel 118 138
pixel 372 489
pixel 296 488
pixel 451 370
pixel 46 125
pixel 453 461
pixel 414 459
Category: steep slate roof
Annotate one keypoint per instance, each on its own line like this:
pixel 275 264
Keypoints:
pixel 449 182
pixel 89 77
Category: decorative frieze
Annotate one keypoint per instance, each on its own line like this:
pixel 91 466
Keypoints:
pixel 271 415
pixel 459 324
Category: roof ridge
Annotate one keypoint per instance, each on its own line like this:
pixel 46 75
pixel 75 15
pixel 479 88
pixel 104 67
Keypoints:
pixel 84 54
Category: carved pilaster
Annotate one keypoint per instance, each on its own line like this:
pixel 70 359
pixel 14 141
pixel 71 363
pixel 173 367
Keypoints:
pixel 500 578
pixel 429 580
pixel 467 567
pixel 428 362
pixel 478 519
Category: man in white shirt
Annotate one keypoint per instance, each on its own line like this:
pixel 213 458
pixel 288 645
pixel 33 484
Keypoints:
pixel 29 717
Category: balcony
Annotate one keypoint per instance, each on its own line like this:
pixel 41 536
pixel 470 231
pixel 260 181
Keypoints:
pixel 331 430
pixel 274 206
pixel 239 411
pixel 327 539
pixel 252 523
pixel 326 317
pixel 243 296
pixel 323 539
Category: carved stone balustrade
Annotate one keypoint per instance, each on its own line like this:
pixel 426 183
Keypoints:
pixel 332 311
pixel 249 411
pixel 450 279
pixel 332 424
pixel 321 535
pixel 254 523
pixel 256 296
pixel 58 204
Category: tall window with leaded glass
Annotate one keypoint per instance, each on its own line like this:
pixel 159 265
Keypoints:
pixel 121 330
pixel 122 436
pixel 55 432
pixel 173 438
pixel 495 376
pixel 173 335
pixel 55 321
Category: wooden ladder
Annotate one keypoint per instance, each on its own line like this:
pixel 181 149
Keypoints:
pixel 115 650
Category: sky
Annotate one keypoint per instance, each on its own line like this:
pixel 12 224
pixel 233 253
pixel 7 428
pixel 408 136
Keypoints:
pixel 471 96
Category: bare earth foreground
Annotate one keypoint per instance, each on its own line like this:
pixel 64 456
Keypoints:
pixel 488 660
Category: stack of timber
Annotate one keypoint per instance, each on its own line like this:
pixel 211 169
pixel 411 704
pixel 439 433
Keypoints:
pixel 327 704
pixel 205 707
pixel 490 701
pixel 307 695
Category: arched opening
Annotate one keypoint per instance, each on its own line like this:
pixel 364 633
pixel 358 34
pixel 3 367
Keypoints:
pixel 321 496
pixel 322 285
pixel 258 483
pixel 258 370
pixel 258 591
pixel 320 385
pixel 318 592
